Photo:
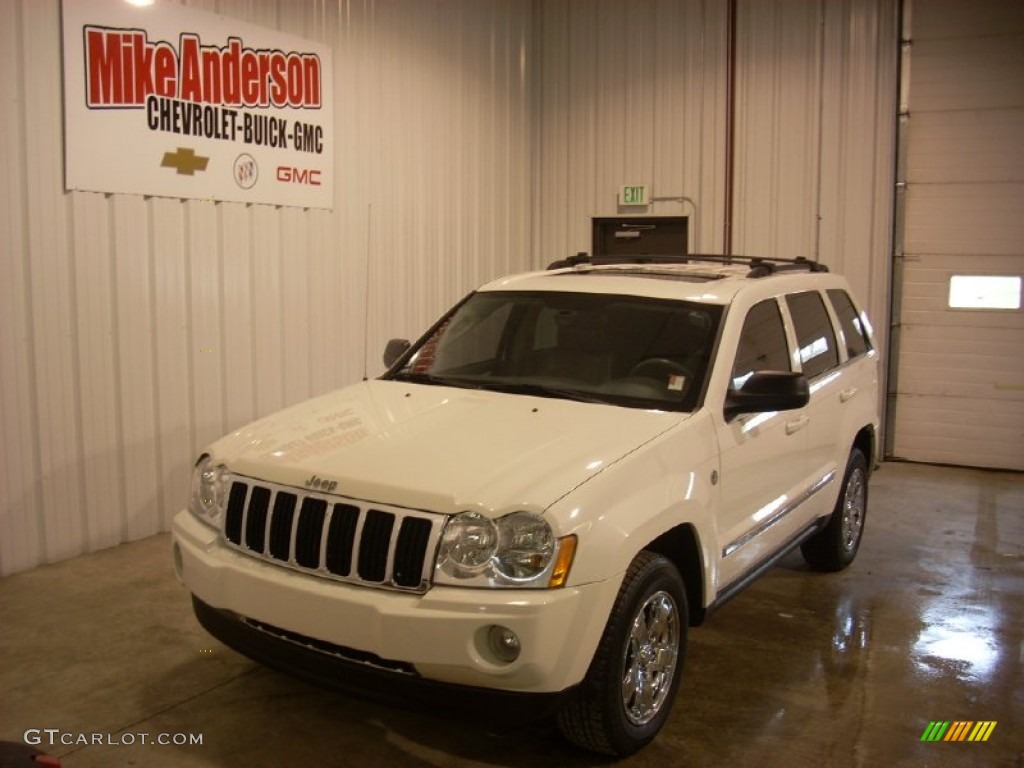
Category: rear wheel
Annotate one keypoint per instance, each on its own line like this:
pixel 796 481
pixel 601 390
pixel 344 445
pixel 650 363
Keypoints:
pixel 835 546
pixel 627 694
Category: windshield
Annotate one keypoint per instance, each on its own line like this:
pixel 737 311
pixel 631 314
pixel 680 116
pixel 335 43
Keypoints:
pixel 622 350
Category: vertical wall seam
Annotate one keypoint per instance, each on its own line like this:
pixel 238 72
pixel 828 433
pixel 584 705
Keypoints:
pixel 29 309
pixel 253 311
pixel 222 335
pixel 115 312
pixel 779 45
pixel 904 9
pixel 818 191
pixel 154 364
pixel 76 373
pixel 191 348
pixel 730 125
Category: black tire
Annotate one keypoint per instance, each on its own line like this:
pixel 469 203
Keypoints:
pixel 834 546
pixel 606 715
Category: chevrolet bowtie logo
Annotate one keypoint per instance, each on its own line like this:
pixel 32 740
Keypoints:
pixel 185 160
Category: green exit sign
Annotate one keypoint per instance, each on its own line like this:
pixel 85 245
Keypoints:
pixel 634 195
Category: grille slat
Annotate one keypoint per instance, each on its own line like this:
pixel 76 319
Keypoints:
pixel 235 513
pixel 340 539
pixel 281 526
pixel 309 532
pixel 344 540
pixel 373 545
pixel 410 550
pixel 256 519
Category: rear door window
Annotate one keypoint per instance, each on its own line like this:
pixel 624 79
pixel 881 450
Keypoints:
pixel 816 340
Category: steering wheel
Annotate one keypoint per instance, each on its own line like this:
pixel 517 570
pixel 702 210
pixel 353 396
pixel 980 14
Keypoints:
pixel 658 367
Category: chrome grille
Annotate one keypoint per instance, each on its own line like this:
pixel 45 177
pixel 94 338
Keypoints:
pixel 371 544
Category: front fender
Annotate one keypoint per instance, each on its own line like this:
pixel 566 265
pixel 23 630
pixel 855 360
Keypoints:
pixel 622 509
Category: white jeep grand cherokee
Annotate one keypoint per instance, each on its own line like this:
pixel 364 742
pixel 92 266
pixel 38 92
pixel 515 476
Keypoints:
pixel 540 495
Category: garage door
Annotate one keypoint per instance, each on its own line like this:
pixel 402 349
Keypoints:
pixel 960 373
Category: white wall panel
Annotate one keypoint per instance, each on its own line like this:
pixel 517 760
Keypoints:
pixel 179 404
pixel 20 483
pixel 635 92
pixel 55 436
pixel 97 370
pixel 134 330
pixel 630 92
pixel 815 137
pixel 778 127
pixel 858 148
pixel 136 385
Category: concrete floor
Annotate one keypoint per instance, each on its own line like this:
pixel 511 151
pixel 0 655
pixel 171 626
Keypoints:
pixel 801 669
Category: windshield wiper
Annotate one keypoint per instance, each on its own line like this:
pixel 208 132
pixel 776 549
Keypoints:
pixel 440 381
pixel 542 390
pixel 513 388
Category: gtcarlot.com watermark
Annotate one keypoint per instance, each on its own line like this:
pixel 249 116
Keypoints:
pixel 55 737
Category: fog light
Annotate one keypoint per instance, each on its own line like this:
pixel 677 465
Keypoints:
pixel 504 643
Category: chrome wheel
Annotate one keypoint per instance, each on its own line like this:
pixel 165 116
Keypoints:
pixel 854 503
pixel 627 693
pixel 835 546
pixel 650 658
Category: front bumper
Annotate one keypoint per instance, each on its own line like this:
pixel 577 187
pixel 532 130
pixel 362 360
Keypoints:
pixel 438 636
pixel 318 665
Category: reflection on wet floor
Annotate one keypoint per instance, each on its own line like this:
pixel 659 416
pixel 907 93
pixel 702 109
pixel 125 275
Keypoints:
pixel 850 668
pixel 963 644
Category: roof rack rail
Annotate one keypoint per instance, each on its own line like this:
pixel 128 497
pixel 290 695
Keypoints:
pixel 600 261
pixel 582 257
pixel 762 266
pixel 759 266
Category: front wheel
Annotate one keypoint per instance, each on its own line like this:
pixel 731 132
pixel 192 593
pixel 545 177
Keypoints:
pixel 834 547
pixel 627 694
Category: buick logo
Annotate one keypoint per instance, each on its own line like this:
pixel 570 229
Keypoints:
pixel 246 171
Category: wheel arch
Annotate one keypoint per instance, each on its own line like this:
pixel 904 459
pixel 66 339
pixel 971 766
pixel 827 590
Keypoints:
pixel 865 440
pixel 681 546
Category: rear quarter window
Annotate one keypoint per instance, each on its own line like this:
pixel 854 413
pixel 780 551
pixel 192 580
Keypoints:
pixel 855 334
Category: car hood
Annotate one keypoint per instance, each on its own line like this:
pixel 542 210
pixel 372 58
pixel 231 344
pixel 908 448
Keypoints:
pixel 440 448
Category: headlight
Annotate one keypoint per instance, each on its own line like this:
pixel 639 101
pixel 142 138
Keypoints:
pixel 468 544
pixel 517 550
pixel 209 490
pixel 525 546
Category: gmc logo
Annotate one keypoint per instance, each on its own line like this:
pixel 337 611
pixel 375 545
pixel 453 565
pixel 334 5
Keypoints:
pixel 289 175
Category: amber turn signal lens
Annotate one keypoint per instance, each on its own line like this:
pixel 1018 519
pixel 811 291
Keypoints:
pixel 566 552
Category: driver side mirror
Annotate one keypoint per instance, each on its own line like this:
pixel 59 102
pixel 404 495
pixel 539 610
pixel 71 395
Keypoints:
pixel 394 350
pixel 768 391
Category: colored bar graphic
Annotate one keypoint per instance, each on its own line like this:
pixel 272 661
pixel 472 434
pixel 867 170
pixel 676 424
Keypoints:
pixel 958 730
pixel 935 731
pixel 982 730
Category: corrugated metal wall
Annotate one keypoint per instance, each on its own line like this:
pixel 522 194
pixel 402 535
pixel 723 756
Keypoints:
pixel 474 139
pixel 133 331
pixel 631 92
pixel 634 91
pixel 960 394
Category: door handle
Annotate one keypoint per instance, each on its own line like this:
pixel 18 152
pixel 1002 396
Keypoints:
pixel 846 394
pixel 796 426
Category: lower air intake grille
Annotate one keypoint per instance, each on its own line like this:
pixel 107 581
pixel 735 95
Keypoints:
pixel 374 545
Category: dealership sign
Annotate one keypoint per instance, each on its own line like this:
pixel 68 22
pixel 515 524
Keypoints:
pixel 165 100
